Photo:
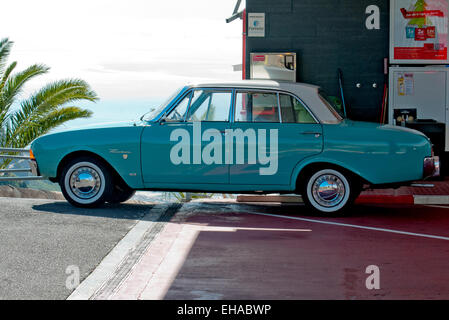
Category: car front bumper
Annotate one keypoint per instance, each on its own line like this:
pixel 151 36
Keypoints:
pixel 34 168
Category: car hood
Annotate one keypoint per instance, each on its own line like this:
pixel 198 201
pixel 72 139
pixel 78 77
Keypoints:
pixel 95 126
pixel 101 125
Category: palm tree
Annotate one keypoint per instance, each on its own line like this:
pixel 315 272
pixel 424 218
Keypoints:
pixel 44 110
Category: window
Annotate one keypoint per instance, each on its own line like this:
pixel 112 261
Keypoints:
pixel 178 113
pixel 207 105
pixel 331 105
pixel 256 107
pixel 293 111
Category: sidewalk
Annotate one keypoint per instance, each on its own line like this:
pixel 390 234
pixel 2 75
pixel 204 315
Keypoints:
pixel 423 192
pixel 438 194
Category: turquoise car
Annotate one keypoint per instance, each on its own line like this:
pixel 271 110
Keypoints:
pixel 238 137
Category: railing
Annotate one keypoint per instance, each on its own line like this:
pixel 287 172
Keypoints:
pixel 20 156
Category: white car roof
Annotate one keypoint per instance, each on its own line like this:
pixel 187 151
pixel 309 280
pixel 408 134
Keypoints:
pixel 306 92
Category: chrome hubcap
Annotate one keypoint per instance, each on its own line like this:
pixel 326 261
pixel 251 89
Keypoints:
pixel 85 182
pixel 328 190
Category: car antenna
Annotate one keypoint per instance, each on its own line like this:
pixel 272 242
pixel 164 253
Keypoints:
pixel 340 83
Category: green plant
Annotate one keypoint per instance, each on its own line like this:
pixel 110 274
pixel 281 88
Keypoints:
pixel 419 6
pixel 337 104
pixel 44 110
pixel 187 196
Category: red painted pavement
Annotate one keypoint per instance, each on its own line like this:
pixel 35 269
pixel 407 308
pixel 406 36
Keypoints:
pixel 327 262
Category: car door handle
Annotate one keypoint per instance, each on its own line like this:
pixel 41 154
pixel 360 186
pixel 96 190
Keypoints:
pixel 316 134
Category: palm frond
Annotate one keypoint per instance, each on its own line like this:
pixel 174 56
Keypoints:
pixel 20 137
pixel 6 74
pixel 13 86
pixel 5 49
pixel 56 94
pixel 48 99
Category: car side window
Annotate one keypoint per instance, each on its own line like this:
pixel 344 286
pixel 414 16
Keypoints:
pixel 293 111
pixel 179 112
pixel 256 107
pixel 209 105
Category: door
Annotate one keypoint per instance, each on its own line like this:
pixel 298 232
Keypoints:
pixel 274 139
pixel 186 146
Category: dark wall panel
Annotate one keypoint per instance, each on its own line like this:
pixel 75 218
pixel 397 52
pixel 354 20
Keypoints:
pixel 326 35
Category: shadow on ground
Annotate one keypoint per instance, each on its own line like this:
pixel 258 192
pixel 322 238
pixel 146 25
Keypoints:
pixel 114 211
pixel 300 210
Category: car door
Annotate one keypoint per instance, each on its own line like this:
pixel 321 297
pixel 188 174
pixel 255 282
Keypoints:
pixel 186 146
pixel 286 134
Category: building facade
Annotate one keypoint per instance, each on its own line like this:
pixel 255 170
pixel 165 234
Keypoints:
pixel 327 35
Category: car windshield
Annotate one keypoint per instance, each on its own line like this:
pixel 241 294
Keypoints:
pixel 156 111
pixel 331 105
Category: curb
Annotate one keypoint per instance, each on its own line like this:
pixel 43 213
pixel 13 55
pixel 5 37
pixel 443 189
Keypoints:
pixel 8 191
pixel 385 199
pixel 362 199
pixel 114 268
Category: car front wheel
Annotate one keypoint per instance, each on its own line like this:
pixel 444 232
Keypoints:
pixel 86 182
pixel 329 191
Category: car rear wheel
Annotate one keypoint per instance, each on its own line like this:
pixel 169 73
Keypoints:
pixel 329 191
pixel 86 182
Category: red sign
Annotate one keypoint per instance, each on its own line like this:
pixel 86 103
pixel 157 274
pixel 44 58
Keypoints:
pixel 421 14
pixel 420 34
pixel 424 53
pixel 419 31
pixel 430 32
pixel 259 58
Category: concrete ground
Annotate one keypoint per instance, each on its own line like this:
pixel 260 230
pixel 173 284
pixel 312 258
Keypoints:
pixel 39 239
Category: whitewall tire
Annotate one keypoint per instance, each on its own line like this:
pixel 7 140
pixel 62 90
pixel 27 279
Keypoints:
pixel 86 182
pixel 328 191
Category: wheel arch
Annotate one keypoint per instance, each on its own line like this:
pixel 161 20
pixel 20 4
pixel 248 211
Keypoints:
pixel 80 153
pixel 310 167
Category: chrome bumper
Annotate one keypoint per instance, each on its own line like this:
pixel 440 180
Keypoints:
pixel 33 168
pixel 431 167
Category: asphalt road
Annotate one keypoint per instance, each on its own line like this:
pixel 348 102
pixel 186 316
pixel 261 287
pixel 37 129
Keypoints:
pixel 39 239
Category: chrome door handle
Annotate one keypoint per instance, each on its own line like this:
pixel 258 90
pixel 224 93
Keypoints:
pixel 316 134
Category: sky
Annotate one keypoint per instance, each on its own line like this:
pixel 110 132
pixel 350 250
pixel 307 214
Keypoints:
pixel 134 50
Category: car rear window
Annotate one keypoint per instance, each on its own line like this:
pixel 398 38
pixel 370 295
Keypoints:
pixel 293 111
pixel 330 105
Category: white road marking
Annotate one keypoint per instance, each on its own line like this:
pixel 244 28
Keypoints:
pixel 440 207
pixel 235 229
pixel 418 199
pixel 354 226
